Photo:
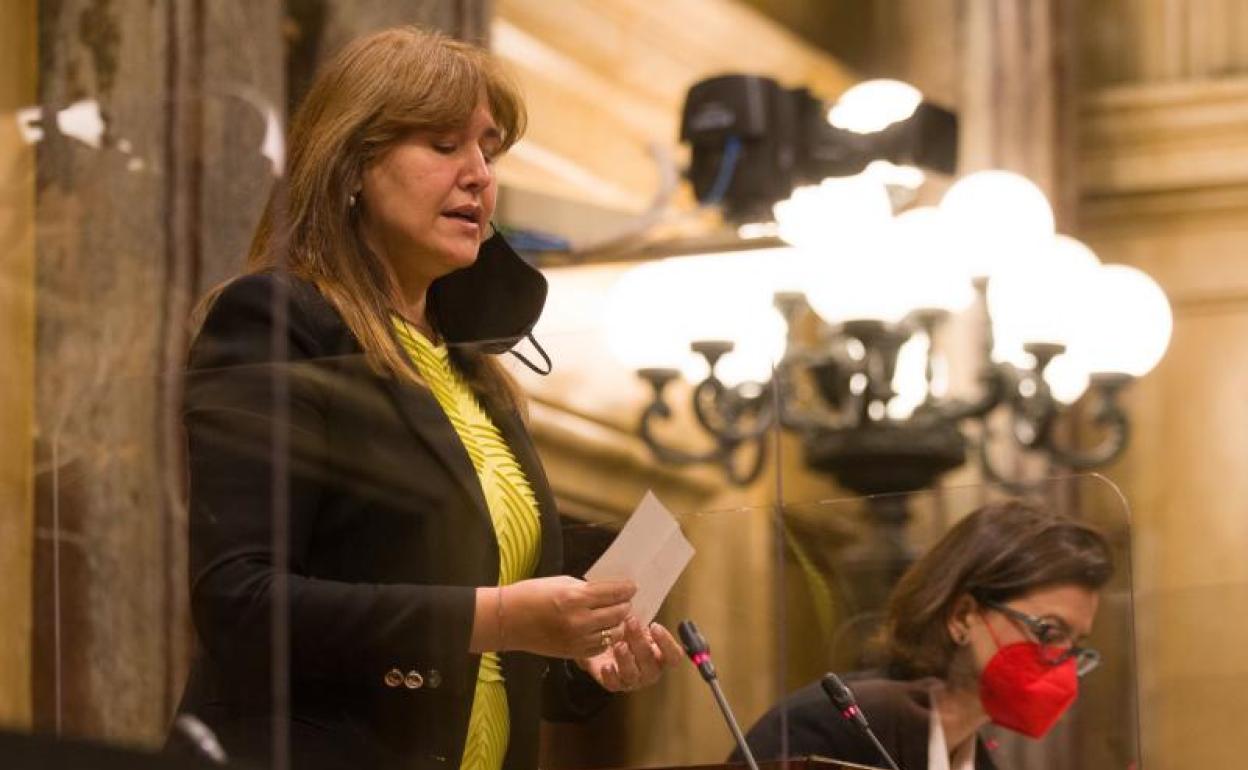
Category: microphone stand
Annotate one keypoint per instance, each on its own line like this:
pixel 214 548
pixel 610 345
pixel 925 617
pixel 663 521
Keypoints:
pixel 732 723
pixel 700 653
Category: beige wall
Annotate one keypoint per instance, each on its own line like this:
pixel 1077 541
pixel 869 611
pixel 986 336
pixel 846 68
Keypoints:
pixel 17 347
pixel 1164 161
pixel 1133 41
pixel 1170 196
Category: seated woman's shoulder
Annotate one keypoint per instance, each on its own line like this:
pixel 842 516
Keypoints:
pixel 881 696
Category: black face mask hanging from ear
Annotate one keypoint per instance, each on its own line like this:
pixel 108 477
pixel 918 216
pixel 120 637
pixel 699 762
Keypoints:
pixel 492 304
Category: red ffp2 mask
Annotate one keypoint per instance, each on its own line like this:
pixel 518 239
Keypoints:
pixel 1023 693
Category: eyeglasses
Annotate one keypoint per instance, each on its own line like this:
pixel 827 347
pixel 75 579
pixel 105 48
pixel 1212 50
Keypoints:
pixel 1056 645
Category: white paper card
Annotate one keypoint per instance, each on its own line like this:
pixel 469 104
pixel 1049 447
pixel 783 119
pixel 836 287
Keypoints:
pixel 651 551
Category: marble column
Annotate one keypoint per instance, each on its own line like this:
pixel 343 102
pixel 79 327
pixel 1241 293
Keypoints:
pixel 17 336
pixel 132 224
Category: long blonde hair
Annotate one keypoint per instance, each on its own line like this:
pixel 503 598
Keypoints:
pixel 367 98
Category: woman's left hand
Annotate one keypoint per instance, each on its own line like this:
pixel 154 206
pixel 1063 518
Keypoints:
pixel 635 661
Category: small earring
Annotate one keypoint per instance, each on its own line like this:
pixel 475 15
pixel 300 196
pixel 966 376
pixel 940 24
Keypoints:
pixel 352 200
pixel 959 639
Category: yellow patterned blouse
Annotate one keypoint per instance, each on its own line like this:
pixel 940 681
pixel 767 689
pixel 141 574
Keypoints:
pixel 513 510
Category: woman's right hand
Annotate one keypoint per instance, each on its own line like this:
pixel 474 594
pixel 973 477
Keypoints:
pixel 563 617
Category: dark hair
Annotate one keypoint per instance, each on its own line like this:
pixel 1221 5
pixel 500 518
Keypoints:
pixel 997 553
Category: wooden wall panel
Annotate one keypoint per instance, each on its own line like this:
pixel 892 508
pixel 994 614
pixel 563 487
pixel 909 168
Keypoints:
pixel 1165 188
pixel 1151 137
pixel 1183 477
pixel 1133 41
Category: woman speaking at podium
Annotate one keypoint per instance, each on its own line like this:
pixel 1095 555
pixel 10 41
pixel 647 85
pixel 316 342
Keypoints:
pixel 370 526
pixel 985 627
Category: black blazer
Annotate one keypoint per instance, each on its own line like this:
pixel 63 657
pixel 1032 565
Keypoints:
pixel 387 537
pixel 897 710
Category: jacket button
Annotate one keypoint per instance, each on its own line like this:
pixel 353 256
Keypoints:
pixel 413 680
pixel 433 678
pixel 393 678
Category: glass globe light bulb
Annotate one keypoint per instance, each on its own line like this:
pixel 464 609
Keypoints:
pixel 858 281
pixel 996 217
pixel 1128 329
pixel 910 377
pixel 1067 378
pixel 1044 297
pixel 927 273
pixel 892 175
pixel 823 217
pixel 643 320
pixel 758 344
pixel 656 310
pixel 874 105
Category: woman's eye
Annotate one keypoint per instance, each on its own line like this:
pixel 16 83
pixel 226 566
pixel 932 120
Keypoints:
pixel 1049 634
pixel 445 148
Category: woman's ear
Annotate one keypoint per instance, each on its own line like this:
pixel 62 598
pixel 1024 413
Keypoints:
pixel 960 618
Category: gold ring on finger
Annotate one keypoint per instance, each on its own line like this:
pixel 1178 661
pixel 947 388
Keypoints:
pixel 606 638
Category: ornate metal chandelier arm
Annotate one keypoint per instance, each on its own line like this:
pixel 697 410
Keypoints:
pixel 657 410
pixel 1110 415
pixel 995 383
pixel 808 420
pixel 754 467
pixel 789 415
pixel 993 475
pixel 720 424
pixel 722 454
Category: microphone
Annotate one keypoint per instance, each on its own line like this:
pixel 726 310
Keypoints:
pixel 697 649
pixel 700 653
pixel 844 702
pixel 201 738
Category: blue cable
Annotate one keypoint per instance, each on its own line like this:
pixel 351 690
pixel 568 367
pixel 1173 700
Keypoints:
pixel 727 168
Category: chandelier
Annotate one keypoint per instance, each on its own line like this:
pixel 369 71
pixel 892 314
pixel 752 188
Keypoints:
pixel 842 337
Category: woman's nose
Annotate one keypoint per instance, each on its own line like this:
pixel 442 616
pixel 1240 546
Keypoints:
pixel 476 172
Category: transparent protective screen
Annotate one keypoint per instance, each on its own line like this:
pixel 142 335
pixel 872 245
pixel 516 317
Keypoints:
pixel 789 582
pixel 782 600
pixel 131 228
pixel 842 562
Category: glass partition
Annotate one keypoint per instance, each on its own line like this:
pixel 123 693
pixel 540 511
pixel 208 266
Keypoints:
pixel 784 587
pixel 842 559
pixel 788 583
pixel 136 218
pixel 784 599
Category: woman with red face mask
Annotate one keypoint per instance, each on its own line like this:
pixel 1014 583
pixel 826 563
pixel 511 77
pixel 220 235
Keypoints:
pixel 985 628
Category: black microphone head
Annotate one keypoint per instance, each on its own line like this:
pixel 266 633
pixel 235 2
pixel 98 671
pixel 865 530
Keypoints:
pixel 838 693
pixel 843 699
pixel 692 641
